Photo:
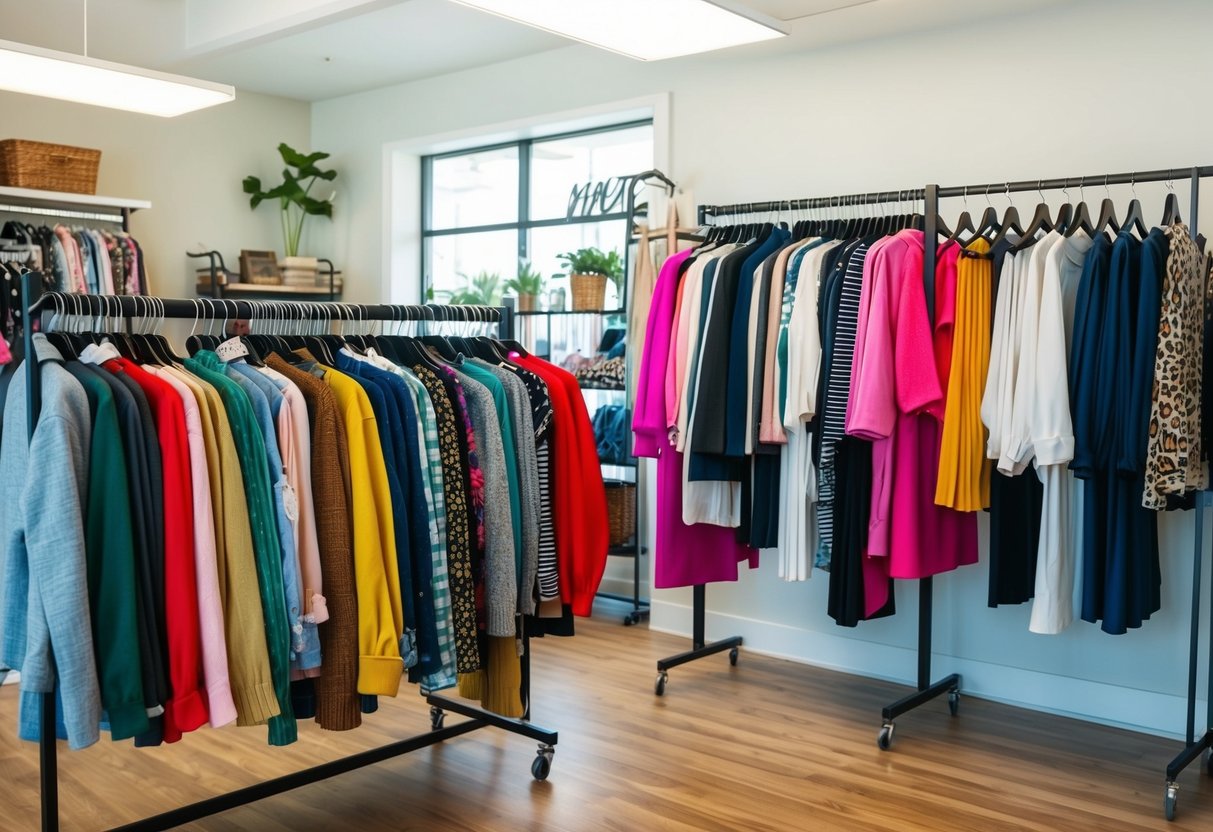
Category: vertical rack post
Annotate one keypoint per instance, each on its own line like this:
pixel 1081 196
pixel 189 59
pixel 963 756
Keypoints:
pixel 699 643
pixel 949 684
pixel 1193 747
pixel 48 769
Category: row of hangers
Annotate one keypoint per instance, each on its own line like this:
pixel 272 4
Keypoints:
pixel 1070 219
pixel 88 319
pixel 995 227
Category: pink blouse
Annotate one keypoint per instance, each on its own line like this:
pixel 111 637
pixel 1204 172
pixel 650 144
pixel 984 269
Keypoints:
pixel 897 403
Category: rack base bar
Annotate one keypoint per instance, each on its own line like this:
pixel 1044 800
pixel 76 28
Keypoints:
pixel 949 684
pixel 1189 755
pixel 505 723
pixel 638 613
pixel 260 791
pixel 698 653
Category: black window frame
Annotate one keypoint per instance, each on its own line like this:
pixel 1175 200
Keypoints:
pixel 523 224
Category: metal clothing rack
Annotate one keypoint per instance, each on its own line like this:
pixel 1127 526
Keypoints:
pixel 926 690
pixel 134 306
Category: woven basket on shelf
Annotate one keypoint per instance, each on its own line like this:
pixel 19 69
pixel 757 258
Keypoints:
pixel 621 511
pixel 589 291
pixel 48 167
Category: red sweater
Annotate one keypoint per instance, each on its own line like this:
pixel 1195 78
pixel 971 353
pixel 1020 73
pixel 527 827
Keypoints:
pixel 186 709
pixel 579 500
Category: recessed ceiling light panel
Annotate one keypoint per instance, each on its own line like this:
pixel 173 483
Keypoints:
pixel 648 30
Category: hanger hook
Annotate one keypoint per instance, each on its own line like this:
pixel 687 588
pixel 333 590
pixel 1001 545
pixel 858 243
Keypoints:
pixel 1039 189
pixel 1133 183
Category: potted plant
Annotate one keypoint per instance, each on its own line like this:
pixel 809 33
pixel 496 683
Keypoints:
pixel 589 271
pixel 528 285
pixel 482 289
pixel 296 202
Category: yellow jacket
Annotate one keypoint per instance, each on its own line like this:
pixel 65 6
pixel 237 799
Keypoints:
pixel 380 614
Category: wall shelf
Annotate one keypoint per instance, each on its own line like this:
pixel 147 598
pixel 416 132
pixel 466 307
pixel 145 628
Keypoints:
pixel 66 205
pixel 245 289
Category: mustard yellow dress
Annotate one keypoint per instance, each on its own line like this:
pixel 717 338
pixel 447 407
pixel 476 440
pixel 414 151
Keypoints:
pixel 963 483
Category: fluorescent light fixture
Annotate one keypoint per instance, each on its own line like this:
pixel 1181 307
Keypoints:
pixel 648 30
pixel 50 74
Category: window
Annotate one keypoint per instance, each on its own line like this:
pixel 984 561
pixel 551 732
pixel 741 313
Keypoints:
pixel 484 210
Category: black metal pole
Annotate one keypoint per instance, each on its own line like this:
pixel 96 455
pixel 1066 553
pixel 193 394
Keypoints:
pixel 1194 210
pixel 699 602
pixel 1194 628
pixel 48 768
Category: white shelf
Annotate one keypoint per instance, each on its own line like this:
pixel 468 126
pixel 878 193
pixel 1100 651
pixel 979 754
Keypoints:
pixel 62 199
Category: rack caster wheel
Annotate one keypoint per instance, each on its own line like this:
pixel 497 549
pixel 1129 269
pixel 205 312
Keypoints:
pixel 733 654
pixel 541 767
pixel 1208 758
pixel 629 619
pixel 1169 800
pixel 662 678
pixel 954 701
pixel 437 717
pixel 884 740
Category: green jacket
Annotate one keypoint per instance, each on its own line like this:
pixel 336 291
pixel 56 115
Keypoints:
pixel 110 563
pixel 251 447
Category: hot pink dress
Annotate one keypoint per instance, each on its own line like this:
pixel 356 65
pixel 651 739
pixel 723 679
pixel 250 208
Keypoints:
pixel 685 555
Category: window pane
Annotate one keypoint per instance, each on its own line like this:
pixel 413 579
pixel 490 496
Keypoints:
pixel 558 165
pixel 546 244
pixel 456 261
pixel 479 188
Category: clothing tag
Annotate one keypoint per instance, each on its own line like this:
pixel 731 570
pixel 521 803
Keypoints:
pixel 231 349
pixel 290 502
pixel 99 353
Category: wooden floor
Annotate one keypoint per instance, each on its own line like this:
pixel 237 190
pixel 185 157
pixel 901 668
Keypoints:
pixel 768 745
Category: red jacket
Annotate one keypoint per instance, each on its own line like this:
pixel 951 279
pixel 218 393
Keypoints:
pixel 186 709
pixel 579 500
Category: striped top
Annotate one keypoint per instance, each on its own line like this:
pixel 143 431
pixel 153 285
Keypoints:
pixel 837 389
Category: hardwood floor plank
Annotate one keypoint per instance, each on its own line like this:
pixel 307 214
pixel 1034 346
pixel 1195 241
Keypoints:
pixel 769 746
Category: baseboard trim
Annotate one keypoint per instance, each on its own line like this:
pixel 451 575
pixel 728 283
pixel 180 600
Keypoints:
pixel 1133 709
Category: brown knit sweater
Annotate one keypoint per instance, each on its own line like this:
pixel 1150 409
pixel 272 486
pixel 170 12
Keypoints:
pixel 337 701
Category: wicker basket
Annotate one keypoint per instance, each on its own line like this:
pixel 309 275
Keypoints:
pixel 528 303
pixel 589 291
pixel 48 167
pixel 621 511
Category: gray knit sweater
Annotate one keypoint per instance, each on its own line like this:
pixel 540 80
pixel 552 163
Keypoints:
pixel 501 582
pixel 528 480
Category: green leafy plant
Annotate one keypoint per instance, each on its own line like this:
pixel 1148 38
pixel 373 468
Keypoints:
pixel 482 289
pixel 528 282
pixel 294 194
pixel 595 261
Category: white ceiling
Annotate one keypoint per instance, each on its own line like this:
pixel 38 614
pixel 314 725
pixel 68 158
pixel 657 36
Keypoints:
pixel 317 49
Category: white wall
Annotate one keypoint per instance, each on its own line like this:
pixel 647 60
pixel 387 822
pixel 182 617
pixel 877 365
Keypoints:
pixel 190 168
pixel 1083 88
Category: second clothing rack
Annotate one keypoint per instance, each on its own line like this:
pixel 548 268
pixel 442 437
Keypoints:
pixel 927 690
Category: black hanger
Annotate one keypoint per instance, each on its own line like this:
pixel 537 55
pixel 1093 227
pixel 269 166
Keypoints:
pixel 1134 219
pixel 965 223
pixel 1170 207
pixel 990 223
pixel 1040 221
pixel 1009 223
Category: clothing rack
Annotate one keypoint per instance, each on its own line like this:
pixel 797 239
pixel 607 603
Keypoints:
pixel 134 306
pixel 926 690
